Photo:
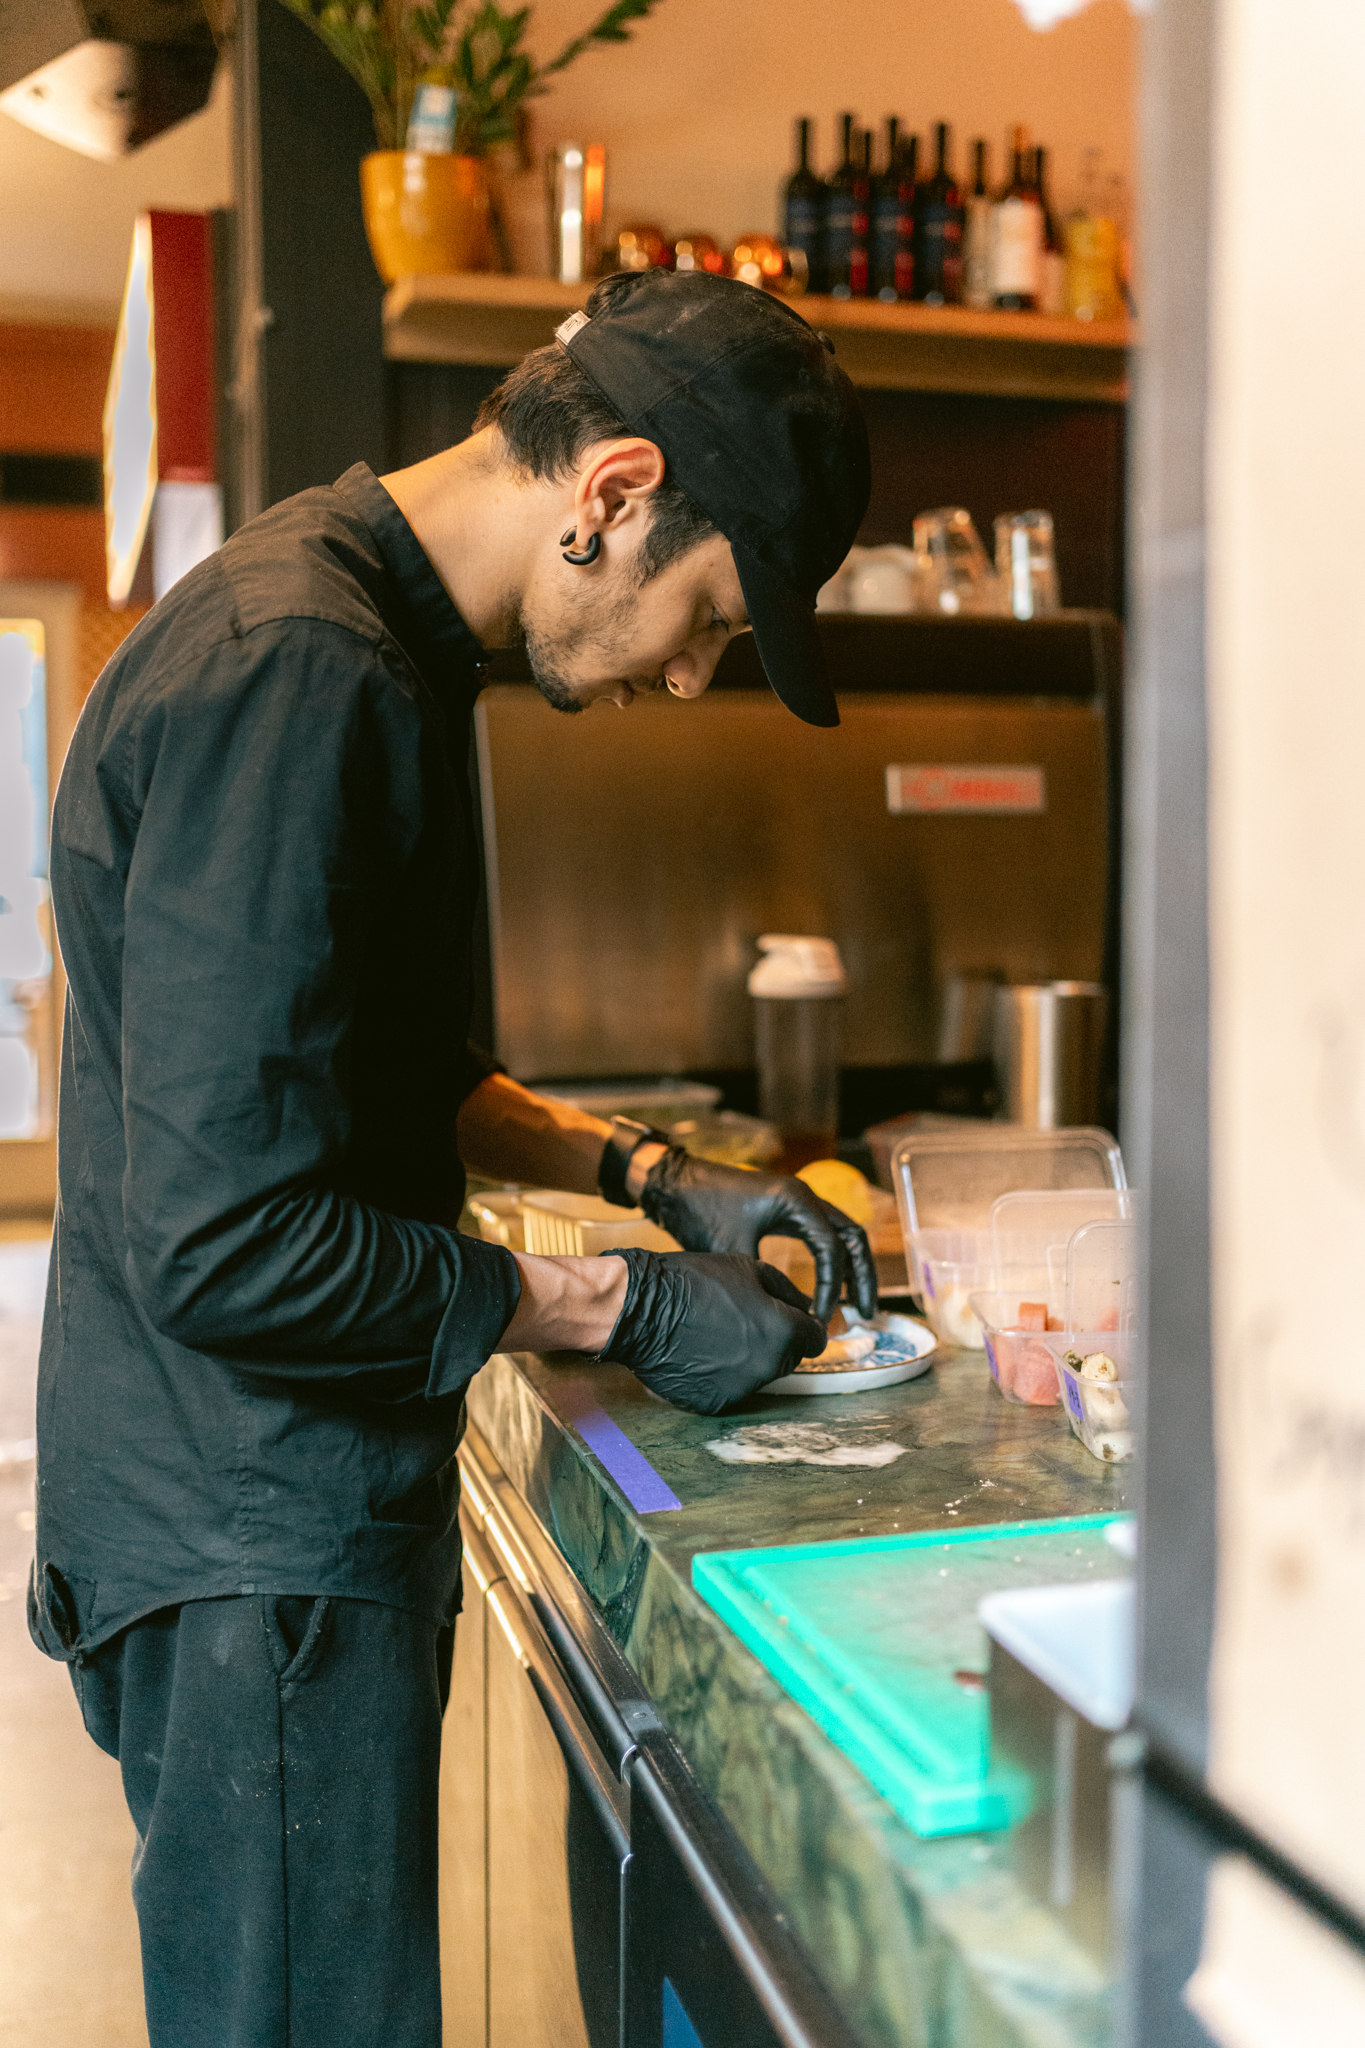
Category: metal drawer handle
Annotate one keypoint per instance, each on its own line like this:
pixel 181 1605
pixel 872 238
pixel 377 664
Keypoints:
pixel 582 1756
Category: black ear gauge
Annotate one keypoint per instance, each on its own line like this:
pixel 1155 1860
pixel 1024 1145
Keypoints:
pixel 590 552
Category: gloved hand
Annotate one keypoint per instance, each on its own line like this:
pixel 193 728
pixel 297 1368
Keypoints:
pixel 713 1208
pixel 704 1332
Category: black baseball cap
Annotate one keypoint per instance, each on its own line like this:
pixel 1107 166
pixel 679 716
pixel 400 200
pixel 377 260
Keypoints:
pixel 758 425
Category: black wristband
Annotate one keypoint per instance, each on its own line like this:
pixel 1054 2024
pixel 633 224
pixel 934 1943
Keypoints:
pixel 626 1138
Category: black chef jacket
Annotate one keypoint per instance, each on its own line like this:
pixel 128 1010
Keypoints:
pixel 260 1318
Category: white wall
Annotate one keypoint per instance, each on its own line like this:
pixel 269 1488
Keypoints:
pixel 696 111
pixel 1287 928
pixel 66 221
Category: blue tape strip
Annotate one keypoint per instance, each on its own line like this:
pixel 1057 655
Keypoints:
pixel 632 1471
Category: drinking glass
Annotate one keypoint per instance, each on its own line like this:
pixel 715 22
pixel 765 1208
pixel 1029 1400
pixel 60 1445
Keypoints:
pixel 1026 563
pixel 956 575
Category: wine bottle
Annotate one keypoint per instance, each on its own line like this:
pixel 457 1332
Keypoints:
pixel 846 217
pixel 1017 239
pixel 938 233
pixel 1052 269
pixel 839 208
pixel 885 214
pixel 976 240
pixel 803 210
pixel 904 278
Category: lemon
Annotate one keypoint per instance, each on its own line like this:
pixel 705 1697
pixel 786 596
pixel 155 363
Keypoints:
pixel 837 1182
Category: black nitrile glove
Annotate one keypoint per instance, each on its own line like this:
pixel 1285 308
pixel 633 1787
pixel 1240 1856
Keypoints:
pixel 704 1332
pixel 712 1208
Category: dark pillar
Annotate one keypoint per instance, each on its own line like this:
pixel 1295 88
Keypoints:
pixel 305 371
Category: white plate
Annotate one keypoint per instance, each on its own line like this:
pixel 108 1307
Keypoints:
pixel 904 1349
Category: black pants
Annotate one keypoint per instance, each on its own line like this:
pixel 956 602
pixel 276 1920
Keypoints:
pixel 280 1758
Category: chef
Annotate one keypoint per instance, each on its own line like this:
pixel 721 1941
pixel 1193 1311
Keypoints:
pixel 262 1319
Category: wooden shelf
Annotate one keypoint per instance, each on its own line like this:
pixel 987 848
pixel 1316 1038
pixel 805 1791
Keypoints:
pixel 476 318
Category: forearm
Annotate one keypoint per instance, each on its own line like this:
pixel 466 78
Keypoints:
pixel 312 1285
pixel 506 1132
pixel 566 1304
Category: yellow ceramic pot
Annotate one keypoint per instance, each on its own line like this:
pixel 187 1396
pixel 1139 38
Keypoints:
pixel 425 213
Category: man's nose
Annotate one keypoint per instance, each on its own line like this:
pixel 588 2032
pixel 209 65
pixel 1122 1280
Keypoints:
pixel 689 673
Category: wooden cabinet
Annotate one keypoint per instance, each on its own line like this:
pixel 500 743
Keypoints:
pixel 464 1827
pixel 534 1838
pixel 592 1897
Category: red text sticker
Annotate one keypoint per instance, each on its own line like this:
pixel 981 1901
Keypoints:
pixel 915 788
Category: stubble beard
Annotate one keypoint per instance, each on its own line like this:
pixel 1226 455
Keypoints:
pixel 557 691
pixel 592 626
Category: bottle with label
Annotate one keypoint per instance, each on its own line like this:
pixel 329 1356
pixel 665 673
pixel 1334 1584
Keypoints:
pixel 885 214
pixel 1017 240
pixel 904 276
pixel 938 233
pixel 431 124
pixel 976 241
pixel 803 210
pixel 846 216
pixel 1052 277
pixel 1093 291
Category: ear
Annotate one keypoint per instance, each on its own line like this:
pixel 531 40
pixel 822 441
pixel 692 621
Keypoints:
pixel 614 484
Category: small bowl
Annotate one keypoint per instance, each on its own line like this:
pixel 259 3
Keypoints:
pixel 1023 1364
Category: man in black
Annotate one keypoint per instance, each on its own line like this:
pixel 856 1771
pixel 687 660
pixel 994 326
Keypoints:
pixel 261 1317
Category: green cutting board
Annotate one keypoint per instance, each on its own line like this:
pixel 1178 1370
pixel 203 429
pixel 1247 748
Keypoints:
pixel 868 1637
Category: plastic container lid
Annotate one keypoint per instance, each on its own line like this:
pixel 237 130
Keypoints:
pixel 1032 1228
pixel 1102 1279
pixel 794 966
pixel 950 1179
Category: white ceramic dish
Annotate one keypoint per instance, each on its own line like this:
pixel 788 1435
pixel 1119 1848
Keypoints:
pixel 904 1350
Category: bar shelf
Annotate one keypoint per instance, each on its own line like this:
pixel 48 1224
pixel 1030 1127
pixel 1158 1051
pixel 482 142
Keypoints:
pixel 477 318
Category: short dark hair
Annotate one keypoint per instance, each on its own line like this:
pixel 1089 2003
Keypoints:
pixel 548 415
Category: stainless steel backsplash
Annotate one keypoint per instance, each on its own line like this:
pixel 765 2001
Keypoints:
pixel 634 858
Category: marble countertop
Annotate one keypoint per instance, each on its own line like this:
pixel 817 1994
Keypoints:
pixel 926 1944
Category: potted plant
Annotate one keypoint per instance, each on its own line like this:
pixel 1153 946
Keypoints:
pixel 429 209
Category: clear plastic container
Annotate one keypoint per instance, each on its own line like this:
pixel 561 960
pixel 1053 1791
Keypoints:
pixel 1021 1363
pixel 498 1215
pixel 579 1226
pixel 947 1266
pixel 1099 1413
pixel 1101 1324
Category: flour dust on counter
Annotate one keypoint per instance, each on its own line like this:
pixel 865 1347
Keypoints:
pixel 803 1443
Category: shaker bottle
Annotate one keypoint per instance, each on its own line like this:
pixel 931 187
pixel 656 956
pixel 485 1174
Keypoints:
pixel 797 988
